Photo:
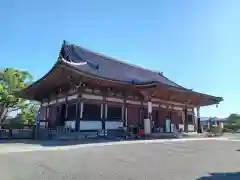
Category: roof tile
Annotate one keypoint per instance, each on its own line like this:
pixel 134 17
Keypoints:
pixel 110 68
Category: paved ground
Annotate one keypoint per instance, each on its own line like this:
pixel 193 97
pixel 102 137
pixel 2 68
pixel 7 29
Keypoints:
pixel 169 160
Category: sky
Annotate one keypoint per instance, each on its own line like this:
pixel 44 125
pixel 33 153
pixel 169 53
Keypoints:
pixel 195 43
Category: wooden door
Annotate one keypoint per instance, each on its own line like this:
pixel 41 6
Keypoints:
pixel 133 115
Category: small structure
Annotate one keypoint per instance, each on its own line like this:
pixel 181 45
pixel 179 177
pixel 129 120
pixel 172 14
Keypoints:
pixel 86 91
pixel 206 122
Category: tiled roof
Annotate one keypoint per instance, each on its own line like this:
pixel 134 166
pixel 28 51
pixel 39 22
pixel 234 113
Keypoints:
pixel 110 68
pixel 103 67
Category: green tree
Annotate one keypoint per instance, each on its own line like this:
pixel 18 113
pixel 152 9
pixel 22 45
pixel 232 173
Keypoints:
pixel 29 113
pixel 233 122
pixel 234 119
pixel 12 80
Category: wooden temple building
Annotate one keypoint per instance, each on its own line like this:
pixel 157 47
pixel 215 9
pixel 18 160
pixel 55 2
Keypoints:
pixel 87 91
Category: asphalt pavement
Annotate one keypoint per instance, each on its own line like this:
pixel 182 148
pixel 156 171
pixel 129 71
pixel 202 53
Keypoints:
pixel 190 160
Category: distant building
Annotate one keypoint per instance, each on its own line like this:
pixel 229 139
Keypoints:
pixel 206 120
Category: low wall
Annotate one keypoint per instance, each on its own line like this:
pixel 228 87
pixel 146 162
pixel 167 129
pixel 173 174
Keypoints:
pixel 17 133
pixel 67 134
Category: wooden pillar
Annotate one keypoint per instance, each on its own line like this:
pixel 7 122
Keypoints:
pixel 141 116
pixel 104 111
pixel 81 110
pixel 150 113
pixel 103 115
pixel 185 120
pixel 78 113
pixel 199 128
pixel 102 105
pixel 47 114
pixel 170 117
pixel 195 121
pixel 124 117
pixel 66 110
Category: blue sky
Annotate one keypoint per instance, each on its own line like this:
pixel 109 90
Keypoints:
pixel 194 43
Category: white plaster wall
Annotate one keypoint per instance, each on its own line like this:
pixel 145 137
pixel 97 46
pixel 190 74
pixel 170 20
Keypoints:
pixel 113 124
pixel 70 124
pixel 190 127
pixel 90 125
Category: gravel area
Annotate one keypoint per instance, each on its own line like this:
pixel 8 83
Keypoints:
pixel 190 160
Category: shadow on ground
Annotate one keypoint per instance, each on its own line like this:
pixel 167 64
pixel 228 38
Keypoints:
pixel 221 176
pixel 67 142
pixel 49 143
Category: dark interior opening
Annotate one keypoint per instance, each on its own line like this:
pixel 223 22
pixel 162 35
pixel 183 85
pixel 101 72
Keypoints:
pixel 114 113
pixel 62 114
pixel 190 119
pixel 59 121
pixel 145 113
pixel 72 112
pixel 91 111
pixel 154 114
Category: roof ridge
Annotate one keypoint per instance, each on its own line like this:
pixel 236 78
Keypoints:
pixel 126 63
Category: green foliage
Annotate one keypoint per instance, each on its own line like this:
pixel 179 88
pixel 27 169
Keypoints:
pixel 231 128
pixel 233 123
pixel 12 80
pixel 29 114
pixel 234 119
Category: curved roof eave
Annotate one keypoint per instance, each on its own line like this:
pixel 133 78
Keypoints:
pixel 142 85
pixel 64 64
pixel 214 99
pixel 43 77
